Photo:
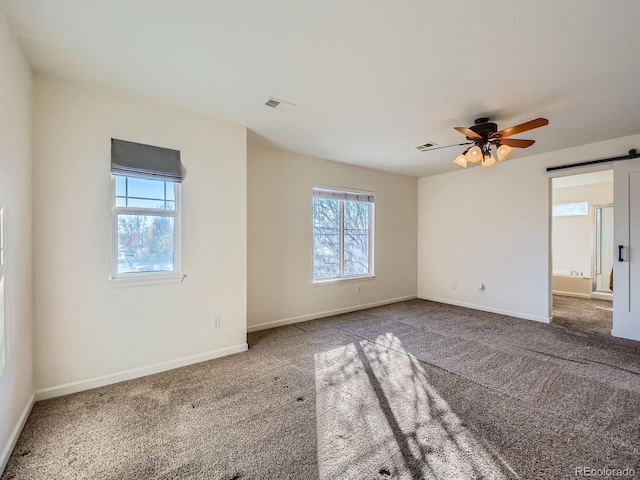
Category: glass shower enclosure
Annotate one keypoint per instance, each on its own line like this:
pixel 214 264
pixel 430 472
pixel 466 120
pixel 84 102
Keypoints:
pixel 603 250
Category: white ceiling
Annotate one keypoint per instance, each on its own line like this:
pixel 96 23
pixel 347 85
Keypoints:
pixel 582 179
pixel 372 79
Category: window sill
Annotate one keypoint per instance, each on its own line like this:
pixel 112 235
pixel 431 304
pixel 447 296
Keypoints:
pixel 146 280
pixel 333 281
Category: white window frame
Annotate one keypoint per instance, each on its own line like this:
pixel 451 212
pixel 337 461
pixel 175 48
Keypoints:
pixel 343 194
pixel 2 249
pixel 156 212
pixel 3 319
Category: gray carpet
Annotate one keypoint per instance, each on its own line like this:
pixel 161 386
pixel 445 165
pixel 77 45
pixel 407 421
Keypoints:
pixel 586 314
pixel 406 391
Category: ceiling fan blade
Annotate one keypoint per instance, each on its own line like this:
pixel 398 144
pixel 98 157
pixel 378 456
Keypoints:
pixel 515 142
pixel 523 127
pixel 468 132
pixel 446 146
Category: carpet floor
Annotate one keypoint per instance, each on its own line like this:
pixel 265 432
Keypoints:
pixel 413 390
pixel 583 313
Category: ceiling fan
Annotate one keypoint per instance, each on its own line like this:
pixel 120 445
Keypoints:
pixel 484 134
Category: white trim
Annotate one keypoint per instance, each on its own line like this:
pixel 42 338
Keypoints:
pixel 483 308
pixel 103 380
pixel 2 249
pixel 372 239
pixel 343 193
pixel 132 281
pixel 146 212
pixel 570 294
pixel 15 434
pixel 602 296
pixel 594 245
pixel 333 281
pixel 342 240
pixel 328 313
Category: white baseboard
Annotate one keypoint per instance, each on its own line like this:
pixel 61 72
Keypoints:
pixel 571 294
pixel 602 296
pixel 328 313
pixel 101 381
pixel 483 308
pixel 13 438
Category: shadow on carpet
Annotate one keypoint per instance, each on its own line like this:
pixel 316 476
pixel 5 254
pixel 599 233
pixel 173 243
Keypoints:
pixel 413 390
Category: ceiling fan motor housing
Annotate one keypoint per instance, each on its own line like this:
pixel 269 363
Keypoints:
pixel 483 127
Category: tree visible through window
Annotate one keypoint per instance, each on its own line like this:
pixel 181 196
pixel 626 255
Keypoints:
pixel 146 217
pixel 342 234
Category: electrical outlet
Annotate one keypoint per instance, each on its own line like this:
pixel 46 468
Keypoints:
pixel 358 289
pixel 216 322
pixel 454 285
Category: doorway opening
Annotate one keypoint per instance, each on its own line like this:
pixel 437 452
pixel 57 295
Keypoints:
pixel 582 251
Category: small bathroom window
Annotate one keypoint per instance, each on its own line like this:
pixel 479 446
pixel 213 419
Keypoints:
pixel 570 209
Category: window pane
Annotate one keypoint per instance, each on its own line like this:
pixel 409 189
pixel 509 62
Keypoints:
pixel 1 238
pixel 326 237
pixel 2 323
pixel 145 188
pixel 570 209
pixel 121 188
pixel 145 243
pixel 144 193
pixel 356 237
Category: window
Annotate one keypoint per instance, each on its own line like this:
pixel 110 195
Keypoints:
pixel 146 222
pixel 1 241
pixel 342 234
pixel 570 209
pixel 2 312
pixel 145 210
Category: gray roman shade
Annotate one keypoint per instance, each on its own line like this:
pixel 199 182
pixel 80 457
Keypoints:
pixel 343 194
pixel 138 160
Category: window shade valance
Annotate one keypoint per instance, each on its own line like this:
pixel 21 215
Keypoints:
pixel 343 194
pixel 139 160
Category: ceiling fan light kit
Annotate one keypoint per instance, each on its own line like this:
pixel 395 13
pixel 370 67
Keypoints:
pixel 488 160
pixel 461 160
pixel 503 151
pixel 484 135
pixel 474 154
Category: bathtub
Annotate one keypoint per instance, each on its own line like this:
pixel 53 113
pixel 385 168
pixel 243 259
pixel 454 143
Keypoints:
pixel 563 283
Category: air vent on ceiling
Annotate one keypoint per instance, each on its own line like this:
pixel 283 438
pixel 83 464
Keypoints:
pixel 279 104
pixel 426 146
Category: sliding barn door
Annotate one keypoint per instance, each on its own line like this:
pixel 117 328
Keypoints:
pixel 626 264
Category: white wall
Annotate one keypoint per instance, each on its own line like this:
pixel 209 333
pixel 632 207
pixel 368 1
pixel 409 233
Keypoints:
pixel 572 236
pixel 90 330
pixel 16 379
pixel 280 289
pixel 492 226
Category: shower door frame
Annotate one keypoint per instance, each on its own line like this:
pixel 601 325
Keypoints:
pixel 594 260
